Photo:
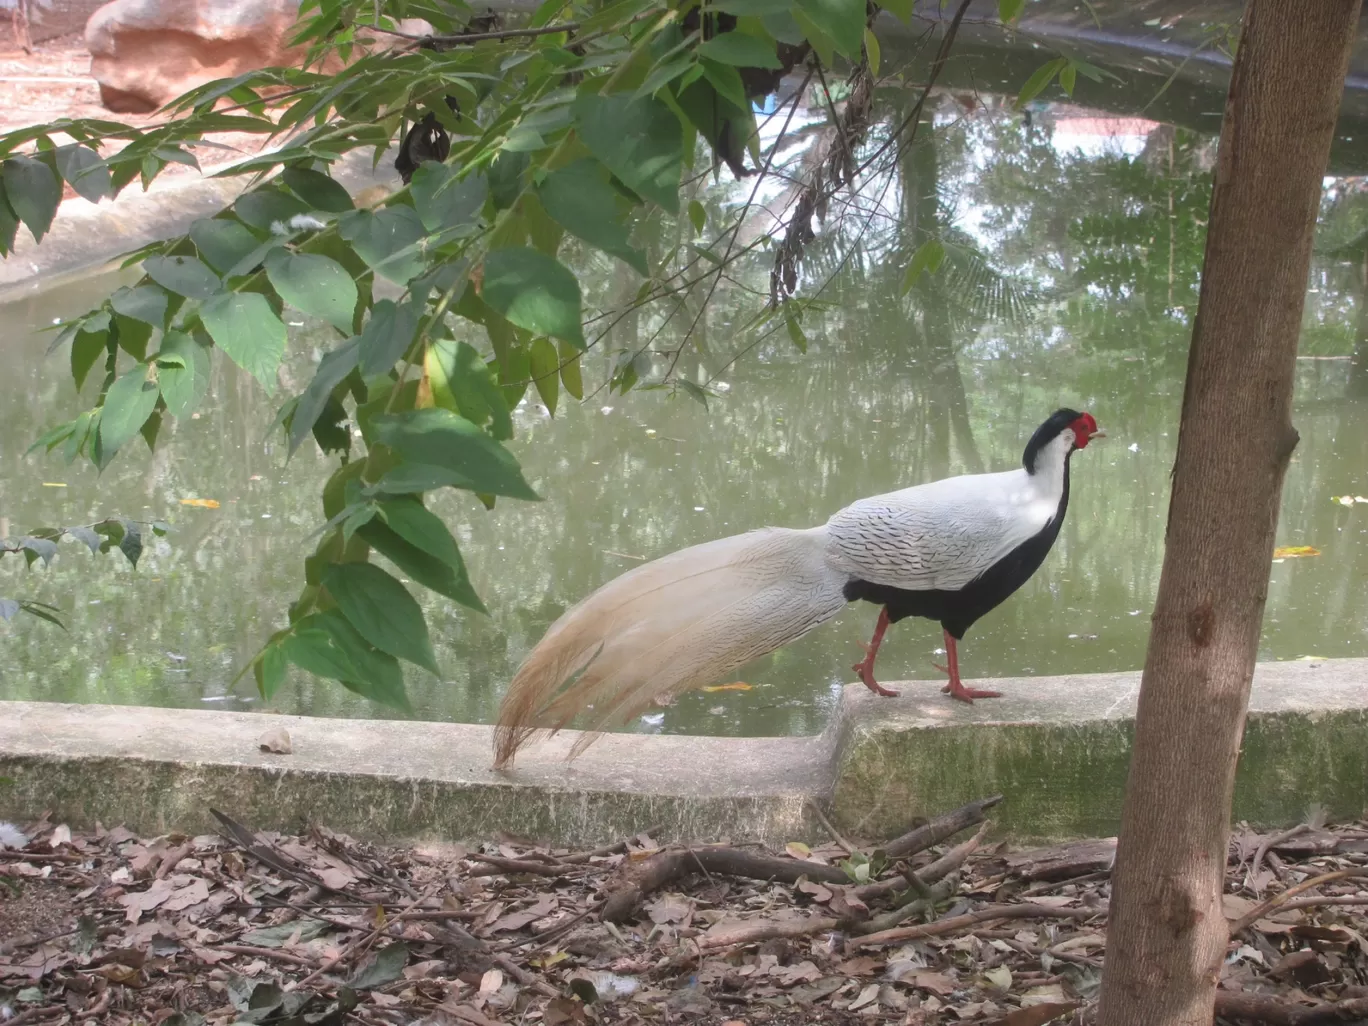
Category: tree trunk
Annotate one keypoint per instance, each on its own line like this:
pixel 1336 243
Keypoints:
pixel 1167 936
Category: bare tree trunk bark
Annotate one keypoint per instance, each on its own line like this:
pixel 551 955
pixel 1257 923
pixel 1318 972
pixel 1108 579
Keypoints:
pixel 1167 936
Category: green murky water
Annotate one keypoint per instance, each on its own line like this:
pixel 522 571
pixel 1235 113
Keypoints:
pixel 1076 246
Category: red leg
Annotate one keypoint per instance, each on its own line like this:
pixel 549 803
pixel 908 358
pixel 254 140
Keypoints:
pixel 956 689
pixel 865 667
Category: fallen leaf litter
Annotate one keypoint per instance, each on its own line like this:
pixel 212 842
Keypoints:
pixel 105 927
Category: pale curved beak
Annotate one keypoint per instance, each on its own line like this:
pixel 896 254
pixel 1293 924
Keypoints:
pixel 1099 433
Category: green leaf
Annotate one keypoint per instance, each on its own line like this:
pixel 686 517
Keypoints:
pixel 222 243
pixel 1039 79
pixel 580 199
pixel 269 671
pixel 319 191
pixel 570 370
pixel 382 611
pixel 332 369
pixel 146 303
pixel 638 140
pixel 86 348
pixel 131 544
pixel 33 192
pixel 129 402
pixel 443 199
pixel 727 81
pixel 249 333
pixel 871 45
pixel 85 170
pixel 741 50
pixel 1010 10
pixel 900 9
pixel 753 8
pixel 316 285
pixel 414 478
pixel 277 936
pixel 842 20
pixel 183 384
pixel 387 965
pixel 545 371
pixel 928 258
pixel 462 382
pixel 381 238
pixel 182 275
pixel 1067 77
pixel 440 438
pixel 534 291
pixel 265 207
pixel 426 551
pixel 9 223
pixel 310 645
pixel 697 215
pixel 387 336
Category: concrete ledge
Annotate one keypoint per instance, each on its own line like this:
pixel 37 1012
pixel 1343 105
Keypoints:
pixel 1056 746
pixel 160 769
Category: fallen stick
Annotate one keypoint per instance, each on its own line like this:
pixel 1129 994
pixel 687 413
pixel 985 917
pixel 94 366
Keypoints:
pixel 1280 1012
pixel 754 931
pixel 273 953
pixel 940 828
pixel 929 874
pixel 618 848
pixel 663 868
pixel 504 865
pixel 1264 907
pixel 983 915
pixel 355 945
pixel 1272 841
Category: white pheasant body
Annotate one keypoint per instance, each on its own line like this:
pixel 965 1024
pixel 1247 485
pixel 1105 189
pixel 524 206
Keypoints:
pixel 949 550
pixel 944 534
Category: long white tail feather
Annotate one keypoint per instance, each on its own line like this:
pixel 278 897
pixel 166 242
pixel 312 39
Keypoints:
pixel 678 622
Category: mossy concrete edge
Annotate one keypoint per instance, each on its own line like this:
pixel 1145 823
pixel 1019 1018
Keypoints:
pixel 158 770
pixel 1057 747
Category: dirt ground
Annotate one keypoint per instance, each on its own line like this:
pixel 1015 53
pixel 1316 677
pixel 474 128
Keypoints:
pixel 54 82
pixel 254 927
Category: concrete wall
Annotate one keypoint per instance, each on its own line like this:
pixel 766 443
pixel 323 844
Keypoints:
pixel 1056 747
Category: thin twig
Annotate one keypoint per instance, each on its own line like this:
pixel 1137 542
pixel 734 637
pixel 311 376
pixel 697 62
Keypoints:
pixel 1263 908
pixel 983 915
pixel 346 952
pixel 835 834
pixel 1271 842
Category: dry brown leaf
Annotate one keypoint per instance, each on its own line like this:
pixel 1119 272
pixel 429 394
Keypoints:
pixel 931 982
pixel 276 740
pixel 1036 1015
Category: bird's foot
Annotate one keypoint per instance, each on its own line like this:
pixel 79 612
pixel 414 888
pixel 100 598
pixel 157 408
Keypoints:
pixel 960 693
pixel 866 673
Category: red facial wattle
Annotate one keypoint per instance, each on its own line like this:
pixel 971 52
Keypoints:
pixel 1085 430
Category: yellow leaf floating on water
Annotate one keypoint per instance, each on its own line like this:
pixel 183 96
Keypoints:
pixel 54 484
pixel 201 503
pixel 1295 551
pixel 735 685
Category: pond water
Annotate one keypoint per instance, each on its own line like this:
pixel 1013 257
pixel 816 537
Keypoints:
pixel 1076 243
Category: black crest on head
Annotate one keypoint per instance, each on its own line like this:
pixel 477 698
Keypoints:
pixel 1045 434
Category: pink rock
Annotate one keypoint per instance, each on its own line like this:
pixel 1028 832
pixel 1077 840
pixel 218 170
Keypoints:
pixel 145 53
